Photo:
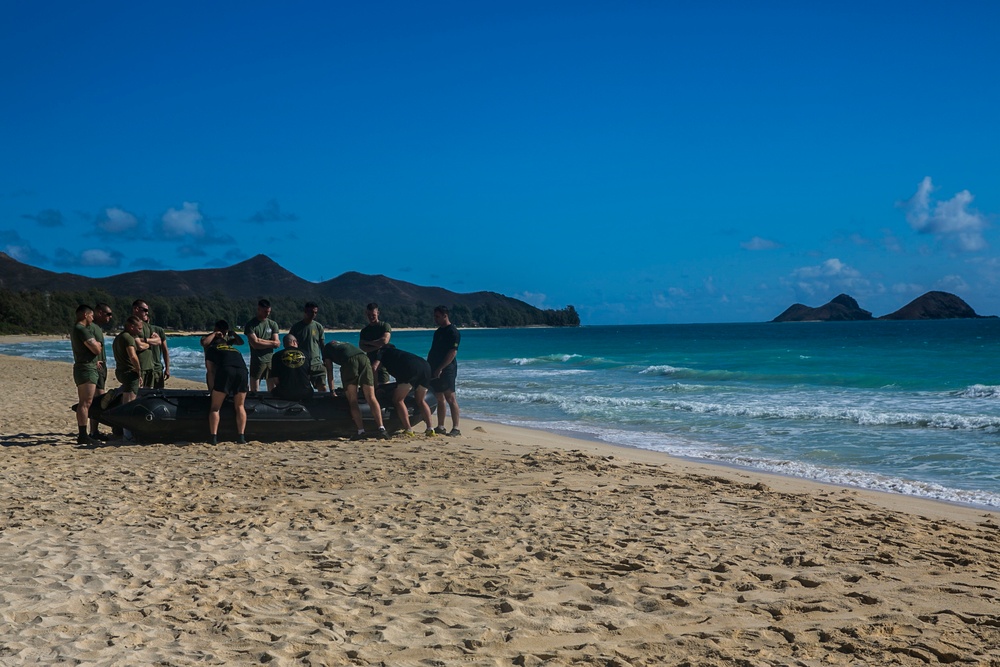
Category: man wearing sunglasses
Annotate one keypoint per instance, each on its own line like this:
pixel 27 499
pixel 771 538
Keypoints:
pixel 145 342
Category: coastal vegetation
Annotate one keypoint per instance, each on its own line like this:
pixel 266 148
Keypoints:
pixel 41 312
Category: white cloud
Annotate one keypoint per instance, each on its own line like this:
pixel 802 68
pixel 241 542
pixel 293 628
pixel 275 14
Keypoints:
pixel 97 257
pixel 185 222
pixel 831 268
pixel 116 221
pixel 21 253
pixel 758 243
pixel 951 221
pixel 536 299
pixel 952 283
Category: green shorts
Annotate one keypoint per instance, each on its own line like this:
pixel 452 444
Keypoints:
pixel 318 379
pixel 358 370
pixel 129 379
pixel 260 370
pixel 102 377
pixel 148 377
pixel 85 374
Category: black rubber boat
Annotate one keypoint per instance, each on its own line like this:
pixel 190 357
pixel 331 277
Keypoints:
pixel 181 415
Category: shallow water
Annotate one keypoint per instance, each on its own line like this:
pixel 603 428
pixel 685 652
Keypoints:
pixel 907 407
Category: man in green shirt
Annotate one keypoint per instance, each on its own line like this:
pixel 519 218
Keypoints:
pixel 161 359
pixel 127 347
pixel 373 337
pixel 262 334
pixel 87 351
pixel 310 335
pixel 140 310
pixel 355 371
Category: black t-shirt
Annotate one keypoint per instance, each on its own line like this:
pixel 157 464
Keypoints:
pixel 291 368
pixel 224 355
pixel 446 339
pixel 399 363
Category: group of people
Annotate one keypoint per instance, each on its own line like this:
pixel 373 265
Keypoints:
pixel 142 359
pixel 302 366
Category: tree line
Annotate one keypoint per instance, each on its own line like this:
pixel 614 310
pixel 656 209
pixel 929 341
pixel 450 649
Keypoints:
pixel 53 312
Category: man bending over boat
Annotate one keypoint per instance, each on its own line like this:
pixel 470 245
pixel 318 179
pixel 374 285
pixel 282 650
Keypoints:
pixel 227 373
pixel 410 371
pixel 355 371
pixel 290 372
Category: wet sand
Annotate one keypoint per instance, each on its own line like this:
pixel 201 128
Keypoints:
pixel 502 546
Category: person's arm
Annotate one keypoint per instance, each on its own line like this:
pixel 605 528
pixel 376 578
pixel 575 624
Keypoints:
pixel 208 339
pixel 448 358
pixel 93 346
pixel 166 358
pixel 133 359
pixel 329 374
pixel 153 340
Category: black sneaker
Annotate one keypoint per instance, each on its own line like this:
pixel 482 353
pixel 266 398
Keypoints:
pixel 359 436
pixel 441 430
pixel 241 440
pixel 382 435
pixel 454 432
pixel 103 437
pixel 86 442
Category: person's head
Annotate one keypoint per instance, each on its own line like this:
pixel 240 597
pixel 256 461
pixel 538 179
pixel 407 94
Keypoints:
pixel 291 341
pixel 84 313
pixel 263 309
pixel 133 325
pixel 140 309
pixel 310 311
pixel 221 326
pixel 371 312
pixel 441 316
pixel 103 313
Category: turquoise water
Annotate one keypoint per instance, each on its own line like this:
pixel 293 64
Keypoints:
pixel 905 407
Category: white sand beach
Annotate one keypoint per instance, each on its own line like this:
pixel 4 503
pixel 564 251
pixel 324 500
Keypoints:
pixel 499 547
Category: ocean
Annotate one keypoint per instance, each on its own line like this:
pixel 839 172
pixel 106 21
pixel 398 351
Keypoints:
pixel 904 407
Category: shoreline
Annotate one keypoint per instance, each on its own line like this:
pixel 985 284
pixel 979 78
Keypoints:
pixel 568 441
pixel 503 545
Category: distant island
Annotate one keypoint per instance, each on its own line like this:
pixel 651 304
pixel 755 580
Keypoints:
pixel 844 308
pixel 33 300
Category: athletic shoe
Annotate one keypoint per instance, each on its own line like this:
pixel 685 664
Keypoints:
pixel 103 437
pixel 442 430
pixel 86 442
pixel 359 436
pixel 430 433
pixel 382 435
pixel 453 432
pixel 241 439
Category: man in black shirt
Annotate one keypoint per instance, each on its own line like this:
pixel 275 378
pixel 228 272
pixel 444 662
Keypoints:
pixel 410 371
pixel 444 369
pixel 290 372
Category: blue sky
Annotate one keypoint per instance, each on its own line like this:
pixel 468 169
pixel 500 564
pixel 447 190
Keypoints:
pixel 644 161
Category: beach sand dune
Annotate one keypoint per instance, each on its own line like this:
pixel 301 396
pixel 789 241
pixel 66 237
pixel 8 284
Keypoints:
pixel 500 547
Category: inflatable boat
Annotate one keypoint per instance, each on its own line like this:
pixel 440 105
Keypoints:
pixel 181 415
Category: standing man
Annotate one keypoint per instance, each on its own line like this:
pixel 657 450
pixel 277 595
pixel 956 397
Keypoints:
pixel 140 310
pixel 228 373
pixel 126 347
pixel 290 372
pixel 310 335
pixel 87 351
pixel 161 359
pixel 355 371
pixel 262 334
pixel 373 337
pixel 102 317
pixel 444 369
pixel 413 372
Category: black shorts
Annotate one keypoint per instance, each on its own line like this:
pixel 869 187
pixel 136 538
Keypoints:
pixel 231 381
pixel 417 375
pixel 447 380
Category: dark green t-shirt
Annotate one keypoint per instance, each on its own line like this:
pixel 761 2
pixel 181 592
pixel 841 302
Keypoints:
pixel 264 331
pixel 146 361
pixel 82 355
pixel 375 331
pixel 339 353
pixel 123 341
pixel 310 337
pixel 157 350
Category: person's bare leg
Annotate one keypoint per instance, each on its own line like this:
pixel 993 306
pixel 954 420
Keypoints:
pixel 373 405
pixel 241 413
pixel 399 400
pixel 218 398
pixel 352 400
pixel 420 394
